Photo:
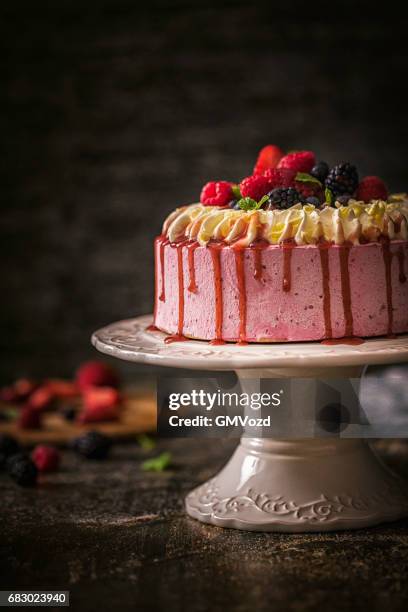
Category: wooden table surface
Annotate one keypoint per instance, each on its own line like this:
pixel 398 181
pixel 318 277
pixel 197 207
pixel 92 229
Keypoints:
pixel 118 539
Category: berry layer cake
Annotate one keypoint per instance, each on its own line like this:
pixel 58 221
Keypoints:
pixel 296 251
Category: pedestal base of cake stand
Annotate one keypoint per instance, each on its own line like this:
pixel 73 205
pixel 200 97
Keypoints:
pixel 302 485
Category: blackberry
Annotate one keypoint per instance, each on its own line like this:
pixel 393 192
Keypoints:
pixel 320 171
pixel 283 198
pixel 342 179
pixel 92 445
pixel 22 470
pixel 68 413
pixel 8 446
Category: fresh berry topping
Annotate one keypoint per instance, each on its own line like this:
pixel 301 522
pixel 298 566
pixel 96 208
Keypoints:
pixel 372 188
pixel 283 198
pixel 268 157
pixel 342 179
pixel 320 171
pixel 46 458
pixel 233 204
pixel 92 445
pixel 254 187
pixel 8 446
pixel 96 374
pixel 42 399
pixel 30 418
pixel 22 470
pixel 274 177
pixel 216 193
pixel 308 190
pixel 313 200
pixel 343 199
pixel 300 161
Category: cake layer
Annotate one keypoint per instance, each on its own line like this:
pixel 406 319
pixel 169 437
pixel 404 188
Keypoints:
pixel 280 293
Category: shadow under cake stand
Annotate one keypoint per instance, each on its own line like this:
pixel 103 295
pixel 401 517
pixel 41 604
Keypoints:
pixel 299 485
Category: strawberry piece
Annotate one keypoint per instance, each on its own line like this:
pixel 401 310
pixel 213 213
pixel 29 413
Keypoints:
pixel 41 399
pixel 19 391
pixel 62 389
pixel 101 397
pixel 371 188
pixel 29 418
pixel 299 161
pixel 96 374
pixel 46 458
pixel 268 158
pixel 216 193
pixel 254 187
pixel 99 414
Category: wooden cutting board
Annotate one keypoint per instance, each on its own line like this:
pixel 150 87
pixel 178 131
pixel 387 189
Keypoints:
pixel 138 415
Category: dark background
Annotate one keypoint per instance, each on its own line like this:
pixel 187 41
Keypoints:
pixel 113 113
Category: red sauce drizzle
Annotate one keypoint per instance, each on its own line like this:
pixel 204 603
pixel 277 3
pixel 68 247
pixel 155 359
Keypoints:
pixel 387 256
pixel 287 263
pixel 192 287
pixel 344 253
pixel 162 241
pixel 257 263
pixel 351 341
pixel 215 251
pixel 401 260
pixel 324 261
pixel 239 264
pixel 179 336
pixel 152 328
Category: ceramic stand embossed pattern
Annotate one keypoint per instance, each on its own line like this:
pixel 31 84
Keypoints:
pixel 276 485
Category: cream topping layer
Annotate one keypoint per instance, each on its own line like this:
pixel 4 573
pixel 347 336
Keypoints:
pixel 304 224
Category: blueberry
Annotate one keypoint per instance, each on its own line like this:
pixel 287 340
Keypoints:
pixel 313 200
pixel 343 199
pixel 320 171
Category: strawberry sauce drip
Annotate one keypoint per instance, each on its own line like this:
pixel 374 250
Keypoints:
pixel 152 328
pixel 344 253
pixel 162 241
pixel 215 251
pixel 350 341
pixel 400 254
pixel 387 256
pixel 179 337
pixel 324 262
pixel 287 265
pixel 192 287
pixel 240 269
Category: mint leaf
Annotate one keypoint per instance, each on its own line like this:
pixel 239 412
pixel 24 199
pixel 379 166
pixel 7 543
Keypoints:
pixel 329 196
pixel 303 177
pixel 236 191
pixel 157 464
pixel 146 442
pixel 250 204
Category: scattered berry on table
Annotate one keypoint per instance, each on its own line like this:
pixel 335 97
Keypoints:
pixel 96 374
pixel 342 179
pixel 22 470
pixel 254 187
pixel 46 458
pixel 100 404
pixel 41 399
pixel 92 445
pixel 216 193
pixel 68 413
pixel 268 157
pixel 62 389
pixel 299 161
pixel 8 446
pixel 283 198
pixel 320 171
pixel 29 418
pixel 372 188
pixel 19 391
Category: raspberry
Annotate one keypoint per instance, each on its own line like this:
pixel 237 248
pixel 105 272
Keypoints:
pixel 8 446
pixel 254 187
pixel 22 470
pixel 300 161
pixel 309 190
pixel 284 198
pixel 92 445
pixel 342 179
pixel 372 188
pixel 268 158
pixel 96 374
pixel 216 193
pixel 30 418
pixel 46 458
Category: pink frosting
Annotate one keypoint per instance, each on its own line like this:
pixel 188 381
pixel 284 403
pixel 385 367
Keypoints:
pixel 274 314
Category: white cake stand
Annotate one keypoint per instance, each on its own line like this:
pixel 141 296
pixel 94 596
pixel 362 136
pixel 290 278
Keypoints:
pixel 298 485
